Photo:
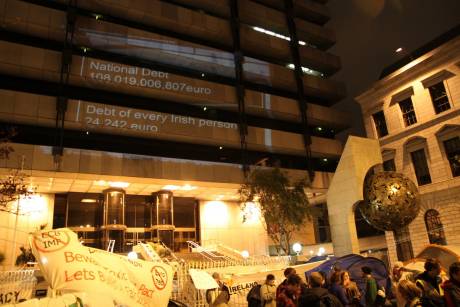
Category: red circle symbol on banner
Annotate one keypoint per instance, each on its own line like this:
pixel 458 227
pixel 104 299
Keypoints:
pixel 160 277
pixel 51 241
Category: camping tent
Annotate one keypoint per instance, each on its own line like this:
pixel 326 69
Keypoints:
pixel 353 264
pixel 447 255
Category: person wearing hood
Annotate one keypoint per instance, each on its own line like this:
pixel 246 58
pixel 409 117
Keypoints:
pixel 316 295
pixel 451 287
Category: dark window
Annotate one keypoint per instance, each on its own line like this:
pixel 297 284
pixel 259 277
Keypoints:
pixel 421 166
pixel 389 165
pixel 439 97
pixel 363 228
pixel 452 147
pixel 84 210
pixel 60 210
pixel 380 124
pixel 434 227
pixel 408 113
pixel 184 212
pixel 323 230
pixel 136 211
pixel 403 244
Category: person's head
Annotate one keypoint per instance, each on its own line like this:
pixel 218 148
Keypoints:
pixel 289 271
pixel 316 280
pixel 217 277
pixel 397 269
pixel 335 278
pixel 336 267
pixel 293 282
pixel 366 270
pixel 409 290
pixel 344 278
pixel 433 267
pixel 270 280
pixel 454 271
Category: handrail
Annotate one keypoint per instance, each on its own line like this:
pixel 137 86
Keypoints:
pixel 170 251
pixel 206 252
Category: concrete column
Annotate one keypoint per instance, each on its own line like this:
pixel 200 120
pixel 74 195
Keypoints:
pixel 346 189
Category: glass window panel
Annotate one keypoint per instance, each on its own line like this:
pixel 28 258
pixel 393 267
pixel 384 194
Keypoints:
pixel 380 124
pixel 184 212
pixel 84 209
pixel 60 208
pixel 452 147
pixel 408 113
pixel 439 97
pixel 389 165
pixel 434 227
pixel 421 167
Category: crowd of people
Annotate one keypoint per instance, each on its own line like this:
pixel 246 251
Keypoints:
pixel 409 289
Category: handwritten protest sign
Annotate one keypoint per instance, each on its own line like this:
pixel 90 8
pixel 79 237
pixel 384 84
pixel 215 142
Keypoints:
pixel 71 267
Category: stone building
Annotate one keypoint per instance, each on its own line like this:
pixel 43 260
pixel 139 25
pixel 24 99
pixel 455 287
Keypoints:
pixel 414 112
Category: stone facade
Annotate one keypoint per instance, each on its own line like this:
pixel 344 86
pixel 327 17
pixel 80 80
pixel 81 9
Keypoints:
pixel 438 66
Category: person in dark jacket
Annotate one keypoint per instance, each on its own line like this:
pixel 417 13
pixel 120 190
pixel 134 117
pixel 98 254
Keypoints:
pixel 281 287
pixel 338 290
pixel 451 287
pixel 290 294
pixel 316 295
pixel 430 283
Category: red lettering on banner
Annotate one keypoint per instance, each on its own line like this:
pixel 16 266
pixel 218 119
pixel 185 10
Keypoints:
pixel 79 275
pixel 146 291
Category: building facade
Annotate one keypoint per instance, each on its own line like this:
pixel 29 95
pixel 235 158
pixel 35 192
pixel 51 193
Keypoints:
pixel 414 112
pixel 137 120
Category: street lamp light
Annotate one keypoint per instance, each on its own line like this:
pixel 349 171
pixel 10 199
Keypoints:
pixel 297 248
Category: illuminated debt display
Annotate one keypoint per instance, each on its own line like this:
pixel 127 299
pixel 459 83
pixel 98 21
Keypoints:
pixel 144 77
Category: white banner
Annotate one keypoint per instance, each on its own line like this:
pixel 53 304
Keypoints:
pixel 71 267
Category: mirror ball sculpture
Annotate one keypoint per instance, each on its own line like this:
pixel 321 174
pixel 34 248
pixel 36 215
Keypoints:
pixel 391 201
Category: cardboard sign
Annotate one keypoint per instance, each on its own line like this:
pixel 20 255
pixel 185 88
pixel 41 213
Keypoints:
pixel 202 280
pixel 71 267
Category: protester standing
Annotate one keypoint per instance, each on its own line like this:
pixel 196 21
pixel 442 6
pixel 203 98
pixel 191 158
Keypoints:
pixel 430 284
pixel 410 293
pixel 268 292
pixel 219 296
pixel 451 287
pixel 371 286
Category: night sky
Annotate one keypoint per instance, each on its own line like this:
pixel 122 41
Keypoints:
pixel 369 31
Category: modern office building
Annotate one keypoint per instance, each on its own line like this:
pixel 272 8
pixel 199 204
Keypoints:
pixel 414 111
pixel 138 119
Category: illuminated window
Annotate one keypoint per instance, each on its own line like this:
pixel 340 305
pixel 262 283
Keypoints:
pixel 408 113
pixel 380 124
pixel 389 165
pixel 421 166
pixel 434 227
pixel 452 147
pixel 439 97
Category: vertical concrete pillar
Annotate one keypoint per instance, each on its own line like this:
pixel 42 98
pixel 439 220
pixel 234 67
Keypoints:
pixel 346 189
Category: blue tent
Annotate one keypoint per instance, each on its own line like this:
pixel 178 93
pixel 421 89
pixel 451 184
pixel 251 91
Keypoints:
pixel 353 264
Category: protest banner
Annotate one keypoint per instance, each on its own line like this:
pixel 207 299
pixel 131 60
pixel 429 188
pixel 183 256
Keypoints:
pixel 71 267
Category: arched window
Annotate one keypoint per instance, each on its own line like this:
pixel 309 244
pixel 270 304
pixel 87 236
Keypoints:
pixel 434 227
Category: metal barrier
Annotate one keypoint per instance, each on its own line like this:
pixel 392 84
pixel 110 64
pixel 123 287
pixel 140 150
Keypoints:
pixel 17 285
pixel 184 290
